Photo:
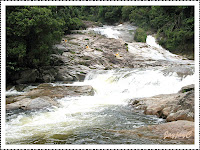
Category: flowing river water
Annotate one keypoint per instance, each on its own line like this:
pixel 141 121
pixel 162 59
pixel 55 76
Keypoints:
pixel 90 119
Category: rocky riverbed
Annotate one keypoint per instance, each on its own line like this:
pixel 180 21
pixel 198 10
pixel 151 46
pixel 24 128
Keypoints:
pixel 85 51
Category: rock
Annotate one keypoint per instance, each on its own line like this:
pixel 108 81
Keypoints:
pixel 180 70
pixel 178 106
pixel 47 74
pixel 80 77
pixel 173 130
pixel 28 76
pixel 187 88
pixel 89 24
pixel 13 99
pixel 19 104
pixel 181 115
pixel 29 104
pixel 43 74
pixel 40 102
pixel 60 47
pixel 166 111
pixel 20 87
pixel 56 60
pixel 63 75
pixel 153 110
pixel 60 91
pixel 72 73
pixel 44 95
pixel 187 101
pixel 135 101
pixel 179 131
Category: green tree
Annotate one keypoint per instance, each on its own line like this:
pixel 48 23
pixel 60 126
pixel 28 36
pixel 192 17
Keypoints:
pixel 174 26
pixel 30 34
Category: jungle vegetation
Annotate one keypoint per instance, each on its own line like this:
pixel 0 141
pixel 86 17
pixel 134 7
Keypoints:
pixel 31 31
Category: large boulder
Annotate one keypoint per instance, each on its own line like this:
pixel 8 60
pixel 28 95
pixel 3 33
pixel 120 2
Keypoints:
pixel 172 107
pixel 51 91
pixel 63 75
pixel 56 60
pixel 180 70
pixel 35 103
pixel 47 74
pixel 71 73
pixel 42 74
pixel 45 95
pixel 28 76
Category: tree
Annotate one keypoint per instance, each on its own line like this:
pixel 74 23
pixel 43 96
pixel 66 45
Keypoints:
pixel 30 34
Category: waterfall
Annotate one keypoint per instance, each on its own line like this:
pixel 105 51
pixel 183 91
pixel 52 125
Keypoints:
pixel 152 42
pixel 113 90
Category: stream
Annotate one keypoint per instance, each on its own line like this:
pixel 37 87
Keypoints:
pixel 90 119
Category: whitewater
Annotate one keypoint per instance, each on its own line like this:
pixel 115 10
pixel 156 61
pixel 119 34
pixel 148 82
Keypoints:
pixel 88 119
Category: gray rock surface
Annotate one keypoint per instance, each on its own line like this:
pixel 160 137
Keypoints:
pixel 28 76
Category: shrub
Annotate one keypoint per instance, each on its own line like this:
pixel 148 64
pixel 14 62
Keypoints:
pixel 140 35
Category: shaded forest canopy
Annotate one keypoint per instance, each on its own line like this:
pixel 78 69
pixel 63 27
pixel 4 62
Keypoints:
pixel 31 31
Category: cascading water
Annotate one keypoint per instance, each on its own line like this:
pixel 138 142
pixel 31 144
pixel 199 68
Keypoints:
pixel 89 119
pixel 86 119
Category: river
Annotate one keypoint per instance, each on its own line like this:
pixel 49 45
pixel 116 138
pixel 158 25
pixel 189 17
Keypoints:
pixel 90 119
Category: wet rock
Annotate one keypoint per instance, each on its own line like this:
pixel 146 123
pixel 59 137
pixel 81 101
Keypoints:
pixel 45 94
pixel 29 104
pixel 60 91
pixel 180 70
pixel 178 106
pixel 40 102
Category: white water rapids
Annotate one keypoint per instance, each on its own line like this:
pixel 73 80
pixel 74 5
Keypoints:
pixel 86 119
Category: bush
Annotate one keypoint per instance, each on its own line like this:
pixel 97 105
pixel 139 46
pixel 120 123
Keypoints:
pixel 140 35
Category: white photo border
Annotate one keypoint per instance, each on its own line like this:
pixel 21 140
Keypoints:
pixel 102 3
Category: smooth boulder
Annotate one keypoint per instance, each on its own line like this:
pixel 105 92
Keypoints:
pixel 172 107
pixel 45 95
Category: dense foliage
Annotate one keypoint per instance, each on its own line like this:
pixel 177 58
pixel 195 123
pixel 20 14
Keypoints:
pixel 31 31
pixel 103 14
pixel 140 35
pixel 174 25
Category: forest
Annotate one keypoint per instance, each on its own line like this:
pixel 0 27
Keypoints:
pixel 31 31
